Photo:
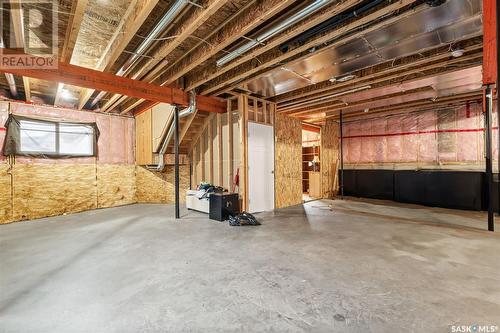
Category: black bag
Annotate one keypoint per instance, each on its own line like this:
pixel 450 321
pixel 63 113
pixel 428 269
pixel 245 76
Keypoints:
pixel 243 219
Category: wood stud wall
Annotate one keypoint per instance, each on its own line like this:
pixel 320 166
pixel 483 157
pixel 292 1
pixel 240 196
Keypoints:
pixel 223 162
pixel 288 161
pixel 330 134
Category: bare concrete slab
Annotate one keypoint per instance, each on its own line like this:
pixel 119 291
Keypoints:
pixel 341 266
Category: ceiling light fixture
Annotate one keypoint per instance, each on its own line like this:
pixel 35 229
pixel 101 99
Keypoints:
pixel 457 53
pixel 346 78
pixel 66 94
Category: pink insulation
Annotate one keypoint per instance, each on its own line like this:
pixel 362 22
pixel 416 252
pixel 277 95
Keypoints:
pixel 116 140
pixel 4 113
pixel 441 137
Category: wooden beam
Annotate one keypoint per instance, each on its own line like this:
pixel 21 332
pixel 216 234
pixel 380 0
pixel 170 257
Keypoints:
pixel 422 106
pixel 220 154
pixel 89 78
pixel 137 12
pixel 386 69
pixel 230 152
pixel 16 16
pixel 252 17
pixel 195 164
pixel 212 72
pixel 202 157
pixel 377 78
pixel 311 128
pixel 490 42
pixel 186 29
pixel 75 19
pixel 273 57
pixel 241 25
pixel 145 107
pixel 210 135
pixel 187 125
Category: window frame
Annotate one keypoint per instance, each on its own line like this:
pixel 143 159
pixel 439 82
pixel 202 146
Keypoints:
pixel 13 144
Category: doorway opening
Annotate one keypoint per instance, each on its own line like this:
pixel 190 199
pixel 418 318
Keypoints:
pixel 311 165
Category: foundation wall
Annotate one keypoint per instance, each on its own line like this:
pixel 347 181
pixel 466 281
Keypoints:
pixel 32 188
pixel 158 187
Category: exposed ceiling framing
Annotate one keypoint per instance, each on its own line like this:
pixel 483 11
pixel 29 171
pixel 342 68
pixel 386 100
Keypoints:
pixel 185 54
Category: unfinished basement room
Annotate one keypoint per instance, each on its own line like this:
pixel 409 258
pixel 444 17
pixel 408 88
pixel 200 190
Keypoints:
pixel 249 166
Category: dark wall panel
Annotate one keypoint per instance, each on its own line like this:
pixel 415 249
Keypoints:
pixel 376 184
pixel 447 189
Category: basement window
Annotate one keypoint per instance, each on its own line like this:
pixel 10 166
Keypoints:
pixel 43 138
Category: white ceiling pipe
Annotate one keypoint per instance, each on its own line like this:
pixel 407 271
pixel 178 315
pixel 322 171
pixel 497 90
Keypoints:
pixel 171 14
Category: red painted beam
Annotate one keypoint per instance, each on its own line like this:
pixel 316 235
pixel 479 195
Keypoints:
pixel 490 42
pixel 104 81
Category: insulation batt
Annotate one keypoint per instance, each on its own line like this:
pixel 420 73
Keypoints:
pixel 452 136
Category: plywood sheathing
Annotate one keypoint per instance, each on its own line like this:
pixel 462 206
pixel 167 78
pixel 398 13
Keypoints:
pixel 49 190
pixel 116 185
pixel 5 194
pixel 158 187
pixel 42 190
pixel 288 161
pixel 330 134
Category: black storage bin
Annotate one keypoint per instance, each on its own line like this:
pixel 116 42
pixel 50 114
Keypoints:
pixel 223 204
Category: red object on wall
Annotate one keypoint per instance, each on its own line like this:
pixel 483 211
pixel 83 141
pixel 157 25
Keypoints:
pixel 489 42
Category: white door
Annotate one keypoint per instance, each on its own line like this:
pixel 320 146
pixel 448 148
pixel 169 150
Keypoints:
pixel 260 167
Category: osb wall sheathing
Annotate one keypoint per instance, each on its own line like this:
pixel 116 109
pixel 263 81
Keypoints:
pixel 158 187
pixel 5 194
pixel 330 134
pixel 49 190
pixel 116 185
pixel 288 161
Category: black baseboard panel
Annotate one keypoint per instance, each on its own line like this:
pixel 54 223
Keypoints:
pixel 448 189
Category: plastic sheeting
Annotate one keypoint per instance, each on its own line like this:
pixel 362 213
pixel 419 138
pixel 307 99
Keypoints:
pixel 430 139
pixel 27 136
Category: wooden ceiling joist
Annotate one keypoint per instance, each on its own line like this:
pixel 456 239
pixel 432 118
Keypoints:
pixel 74 23
pixel 402 72
pixel 241 25
pixel 212 72
pixel 181 33
pixel 415 106
pixel 268 61
pixel 248 20
pixel 134 18
pixel 18 30
pixel 89 78
pixel 75 19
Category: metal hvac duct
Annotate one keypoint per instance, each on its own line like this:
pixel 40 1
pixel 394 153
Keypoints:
pixel 303 13
pixel 169 16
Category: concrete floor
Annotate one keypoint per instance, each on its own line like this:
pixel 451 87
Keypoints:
pixel 363 267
